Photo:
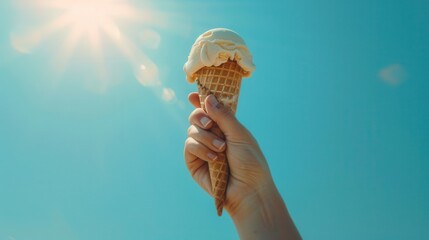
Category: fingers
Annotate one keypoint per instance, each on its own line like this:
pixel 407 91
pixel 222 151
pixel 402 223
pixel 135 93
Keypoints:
pixel 194 99
pixel 207 138
pixel 199 150
pixel 200 118
pixel 224 117
pixel 198 169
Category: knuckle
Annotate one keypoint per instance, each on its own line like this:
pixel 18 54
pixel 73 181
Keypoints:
pixel 192 131
pixel 193 116
pixel 188 142
pixel 190 118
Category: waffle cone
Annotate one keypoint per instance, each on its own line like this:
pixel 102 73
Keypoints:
pixel 224 83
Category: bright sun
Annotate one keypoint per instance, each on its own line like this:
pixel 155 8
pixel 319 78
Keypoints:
pixel 93 21
pixel 87 17
pixel 93 15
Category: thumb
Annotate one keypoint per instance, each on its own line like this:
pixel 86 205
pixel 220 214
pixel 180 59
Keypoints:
pixel 224 117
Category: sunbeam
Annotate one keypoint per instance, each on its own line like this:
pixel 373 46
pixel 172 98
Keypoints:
pixel 92 22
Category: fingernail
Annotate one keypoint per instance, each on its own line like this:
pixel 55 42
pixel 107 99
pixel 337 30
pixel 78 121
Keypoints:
pixel 205 121
pixel 212 156
pixel 218 143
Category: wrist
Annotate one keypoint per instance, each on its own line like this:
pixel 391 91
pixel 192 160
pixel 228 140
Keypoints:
pixel 256 200
pixel 263 215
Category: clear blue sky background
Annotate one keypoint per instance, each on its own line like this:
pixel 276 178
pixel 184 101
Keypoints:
pixel 339 103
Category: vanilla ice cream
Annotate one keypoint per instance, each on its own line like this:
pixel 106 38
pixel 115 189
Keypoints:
pixel 216 47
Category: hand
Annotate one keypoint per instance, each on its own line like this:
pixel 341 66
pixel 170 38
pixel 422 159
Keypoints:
pixel 248 168
pixel 252 200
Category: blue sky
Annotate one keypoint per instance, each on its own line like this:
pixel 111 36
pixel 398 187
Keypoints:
pixel 91 144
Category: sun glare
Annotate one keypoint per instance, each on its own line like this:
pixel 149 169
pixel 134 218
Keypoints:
pixel 92 22
pixel 86 18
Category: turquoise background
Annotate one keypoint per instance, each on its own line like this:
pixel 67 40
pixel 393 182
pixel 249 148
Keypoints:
pixel 339 104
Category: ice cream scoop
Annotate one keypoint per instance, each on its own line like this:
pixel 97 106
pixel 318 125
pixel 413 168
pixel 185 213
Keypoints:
pixel 215 47
pixel 218 61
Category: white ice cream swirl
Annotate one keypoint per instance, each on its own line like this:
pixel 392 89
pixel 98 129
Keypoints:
pixel 216 47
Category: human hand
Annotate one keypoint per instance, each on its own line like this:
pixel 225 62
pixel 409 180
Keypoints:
pixel 249 171
pixel 252 199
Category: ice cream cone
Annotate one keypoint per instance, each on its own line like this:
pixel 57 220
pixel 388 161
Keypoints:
pixel 224 83
pixel 218 60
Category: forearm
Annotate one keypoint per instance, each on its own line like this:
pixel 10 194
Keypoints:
pixel 264 216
